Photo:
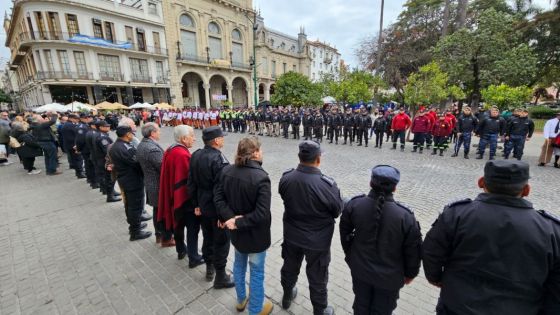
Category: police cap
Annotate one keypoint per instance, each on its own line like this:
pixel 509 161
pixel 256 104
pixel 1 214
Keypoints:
pixel 85 115
pixel 309 150
pixel 123 130
pixel 212 133
pixel 506 172
pixel 73 116
pixel 385 175
pixel 102 123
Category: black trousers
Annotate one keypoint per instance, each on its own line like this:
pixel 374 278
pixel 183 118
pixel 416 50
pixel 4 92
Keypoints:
pixel 133 206
pixel 295 131
pixel 363 135
pixel 399 135
pixel 28 163
pixel 215 246
pixel 285 130
pixel 378 138
pixel 348 134
pixel 185 218
pixel 317 270
pixel 75 160
pixel 369 300
pixel 307 133
pixel 88 167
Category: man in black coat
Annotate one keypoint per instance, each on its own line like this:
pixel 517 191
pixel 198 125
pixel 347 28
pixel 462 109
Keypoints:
pixel 81 149
pixel 495 254
pixel 382 243
pixel 131 180
pixel 312 202
pixel 69 133
pixel 89 160
pixel 206 166
pixel 489 130
pixel 101 147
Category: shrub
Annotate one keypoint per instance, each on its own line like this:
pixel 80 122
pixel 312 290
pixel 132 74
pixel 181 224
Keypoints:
pixel 542 112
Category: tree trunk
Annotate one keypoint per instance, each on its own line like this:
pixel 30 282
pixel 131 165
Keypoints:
pixel 380 39
pixel 462 13
pixel 446 14
pixel 476 83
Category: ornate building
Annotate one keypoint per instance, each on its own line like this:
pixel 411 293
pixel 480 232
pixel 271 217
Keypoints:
pixel 211 53
pixel 325 60
pixel 88 51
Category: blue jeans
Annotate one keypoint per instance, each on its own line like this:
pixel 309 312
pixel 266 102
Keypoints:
pixel 491 139
pixel 50 151
pixel 515 143
pixel 465 140
pixel 256 287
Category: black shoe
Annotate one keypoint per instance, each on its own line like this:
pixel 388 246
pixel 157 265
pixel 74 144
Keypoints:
pixel 288 297
pixel 402 149
pixel 143 225
pixel 223 280
pixel 541 164
pixel 434 152
pixel 366 145
pixel 81 175
pixel 210 271
pixel 359 144
pixel 556 165
pixel 414 150
pixel 441 153
pixel 421 151
pixel 116 193
pixel 195 263
pixel 113 199
pixel 140 235
pixel 454 155
pixel 181 255
pixel 95 186
pixel 145 217
pixel 479 156
pixel 329 310
pixel 466 156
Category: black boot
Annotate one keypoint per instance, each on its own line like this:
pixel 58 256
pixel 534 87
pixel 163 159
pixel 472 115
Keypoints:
pixel 394 146
pixel 440 152
pixel 223 280
pixel 80 175
pixel 329 310
pixel 421 150
pixel 288 297
pixel 466 156
pixel 402 148
pixel 210 271
pixel 454 154
pixel 140 235
pixel 434 152
pixel 479 156
pixel 414 149
pixel 113 198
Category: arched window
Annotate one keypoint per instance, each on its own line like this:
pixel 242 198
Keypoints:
pixel 188 37
pixel 236 46
pixel 215 40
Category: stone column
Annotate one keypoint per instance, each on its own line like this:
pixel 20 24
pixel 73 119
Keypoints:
pixel 207 95
pixel 230 93
pixel 267 92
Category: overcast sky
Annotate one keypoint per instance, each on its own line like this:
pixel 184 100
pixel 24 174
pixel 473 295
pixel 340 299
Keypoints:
pixel 342 23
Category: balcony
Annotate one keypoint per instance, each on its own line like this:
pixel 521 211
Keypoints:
pixel 138 78
pixel 110 76
pixel 241 65
pixel 195 58
pixel 27 38
pixel 63 75
pixel 162 80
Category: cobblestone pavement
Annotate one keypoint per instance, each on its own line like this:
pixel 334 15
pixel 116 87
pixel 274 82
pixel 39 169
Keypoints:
pixel 63 250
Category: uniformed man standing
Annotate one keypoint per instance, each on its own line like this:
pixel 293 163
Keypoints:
pixel 131 180
pixel 466 124
pixel 296 122
pixel 348 122
pixel 69 133
pixel 101 146
pixel 312 202
pixel 382 243
pixel 495 254
pixel 308 125
pixel 518 130
pixel 364 125
pixel 81 149
pixel 318 123
pixel 206 167
pixel 488 130
pixel 89 159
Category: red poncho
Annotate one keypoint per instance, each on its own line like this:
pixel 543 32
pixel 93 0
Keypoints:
pixel 173 193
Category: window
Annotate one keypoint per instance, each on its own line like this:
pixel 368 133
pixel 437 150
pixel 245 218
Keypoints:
pixel 54 25
pixel 157 44
pixel 40 25
pixel 140 39
pixel 129 32
pixel 139 69
pixel 264 66
pixel 236 35
pixel 159 70
pixel 49 60
pixel 236 46
pixel 188 43
pixel 109 32
pixel 64 62
pixel 80 60
pixel 72 24
pixel 284 67
pixel 152 8
pixel 186 21
pixel 97 28
pixel 31 31
pixel 109 66
pixel 213 28
pixel 39 62
pixel 294 68
pixel 214 41
pixel 273 68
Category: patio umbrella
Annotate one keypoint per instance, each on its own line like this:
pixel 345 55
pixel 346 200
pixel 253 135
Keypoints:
pixel 78 106
pixel 51 107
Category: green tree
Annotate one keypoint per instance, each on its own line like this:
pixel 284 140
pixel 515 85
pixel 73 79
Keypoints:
pixel 355 86
pixel 296 89
pixel 4 98
pixel 506 97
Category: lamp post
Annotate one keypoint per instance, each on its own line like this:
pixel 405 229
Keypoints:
pixel 231 58
pixel 208 54
pixel 253 60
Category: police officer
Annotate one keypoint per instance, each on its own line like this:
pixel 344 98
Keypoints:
pixel 81 148
pixel 518 130
pixel 206 166
pixel 69 132
pixel 466 124
pixel 318 123
pixel 336 124
pixel 308 125
pixel 488 130
pixel 89 159
pixel 348 122
pixel 131 180
pixel 495 254
pixel 101 147
pixel 382 243
pixel 286 119
pixel 364 124
pixel 295 119
pixel 312 202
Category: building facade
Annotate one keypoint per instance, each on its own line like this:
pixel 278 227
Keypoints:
pixel 89 51
pixel 325 60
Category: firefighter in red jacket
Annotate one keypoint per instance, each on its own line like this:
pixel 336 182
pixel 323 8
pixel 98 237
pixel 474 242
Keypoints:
pixel 441 130
pixel 432 115
pixel 421 125
pixel 401 122
pixel 450 117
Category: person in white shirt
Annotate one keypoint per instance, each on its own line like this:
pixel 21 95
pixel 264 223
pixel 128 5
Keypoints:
pixel 189 117
pixel 550 131
pixel 207 119
pixel 214 118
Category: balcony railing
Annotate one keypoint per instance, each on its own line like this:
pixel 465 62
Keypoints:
pixel 75 38
pixel 162 80
pixel 241 65
pixel 140 79
pixel 109 76
pixel 194 58
pixel 63 75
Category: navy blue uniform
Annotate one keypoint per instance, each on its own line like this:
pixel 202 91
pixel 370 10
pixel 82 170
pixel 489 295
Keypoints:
pixel 101 146
pixel 489 129
pixel 494 255
pixel 466 125
pixel 312 202
pixel 380 256
pixel 296 122
pixel 69 132
pixel 518 130
pixel 83 151
pixel 89 141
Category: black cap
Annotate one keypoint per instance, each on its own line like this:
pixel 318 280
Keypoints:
pixel 309 150
pixel 102 123
pixel 385 175
pixel 506 172
pixel 92 122
pixel 85 115
pixel 73 116
pixel 212 133
pixel 123 130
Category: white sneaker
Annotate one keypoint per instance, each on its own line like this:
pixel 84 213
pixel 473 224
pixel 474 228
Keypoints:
pixel 6 163
pixel 34 172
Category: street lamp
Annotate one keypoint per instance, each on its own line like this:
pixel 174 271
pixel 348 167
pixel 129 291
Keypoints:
pixel 231 58
pixel 253 60
pixel 208 54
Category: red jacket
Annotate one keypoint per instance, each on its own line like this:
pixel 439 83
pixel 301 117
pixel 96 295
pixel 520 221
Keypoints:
pixel 450 118
pixel 442 128
pixel 401 122
pixel 421 124
pixel 173 193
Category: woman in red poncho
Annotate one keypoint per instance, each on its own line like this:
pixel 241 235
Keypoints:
pixel 175 209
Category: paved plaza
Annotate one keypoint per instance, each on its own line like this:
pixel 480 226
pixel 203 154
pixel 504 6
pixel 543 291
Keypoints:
pixel 63 250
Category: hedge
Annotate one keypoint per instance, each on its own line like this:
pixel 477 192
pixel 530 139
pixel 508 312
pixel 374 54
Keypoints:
pixel 542 112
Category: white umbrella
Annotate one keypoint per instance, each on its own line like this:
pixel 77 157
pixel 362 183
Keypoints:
pixel 148 106
pixel 78 106
pixel 328 100
pixel 52 107
pixel 141 106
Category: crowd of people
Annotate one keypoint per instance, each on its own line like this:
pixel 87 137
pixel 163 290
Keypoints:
pixel 472 251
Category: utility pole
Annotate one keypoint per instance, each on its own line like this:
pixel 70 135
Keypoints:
pixel 380 39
